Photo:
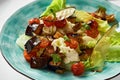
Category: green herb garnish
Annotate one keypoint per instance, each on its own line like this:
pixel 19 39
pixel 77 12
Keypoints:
pixel 53 13
pixel 86 26
pixel 56 58
pixel 66 38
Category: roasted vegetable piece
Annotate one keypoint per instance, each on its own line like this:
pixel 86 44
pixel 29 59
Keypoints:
pixel 29 31
pixel 71 19
pixel 110 18
pixel 38 62
pixel 101 12
pixel 36 28
pixel 55 66
pixel 76 36
pixel 32 45
pixel 85 54
pixel 77 26
pixel 65 13
pixel 58 35
pixel 48 51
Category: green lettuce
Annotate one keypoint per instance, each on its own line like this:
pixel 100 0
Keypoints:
pixel 107 49
pixel 103 25
pixel 113 51
pixel 55 6
pixel 21 40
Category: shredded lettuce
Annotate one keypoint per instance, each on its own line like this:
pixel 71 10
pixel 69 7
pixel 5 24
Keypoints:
pixel 55 6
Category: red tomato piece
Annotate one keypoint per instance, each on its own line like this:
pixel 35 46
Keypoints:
pixel 94 24
pixel 28 56
pixel 93 31
pixel 60 23
pixel 72 43
pixel 48 21
pixel 44 43
pixel 67 43
pixel 78 69
pixel 34 21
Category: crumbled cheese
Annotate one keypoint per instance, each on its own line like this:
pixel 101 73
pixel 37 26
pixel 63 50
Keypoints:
pixel 71 55
pixel 58 43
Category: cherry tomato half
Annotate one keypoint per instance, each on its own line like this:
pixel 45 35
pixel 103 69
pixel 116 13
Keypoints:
pixel 44 43
pixel 78 69
pixel 34 21
pixel 60 23
pixel 93 31
pixel 48 21
pixel 28 56
pixel 72 43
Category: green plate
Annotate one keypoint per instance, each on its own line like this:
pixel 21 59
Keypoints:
pixel 16 25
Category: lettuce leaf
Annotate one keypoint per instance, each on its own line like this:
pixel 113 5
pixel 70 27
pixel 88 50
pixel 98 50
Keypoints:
pixel 55 6
pixel 113 50
pixel 21 40
pixel 103 25
pixel 107 49
pixel 113 54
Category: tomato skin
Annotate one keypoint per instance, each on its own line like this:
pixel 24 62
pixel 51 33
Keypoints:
pixel 44 43
pixel 28 56
pixel 94 24
pixel 60 23
pixel 93 31
pixel 72 43
pixel 78 69
pixel 51 21
pixel 34 21
pixel 48 21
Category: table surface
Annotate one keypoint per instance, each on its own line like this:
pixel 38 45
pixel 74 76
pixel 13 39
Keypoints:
pixel 7 8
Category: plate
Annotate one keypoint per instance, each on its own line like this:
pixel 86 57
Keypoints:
pixel 16 25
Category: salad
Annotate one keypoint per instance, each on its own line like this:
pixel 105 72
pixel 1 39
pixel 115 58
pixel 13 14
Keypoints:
pixel 66 39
